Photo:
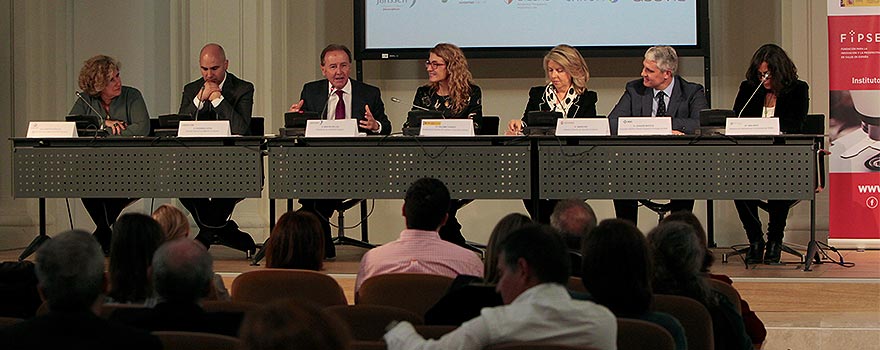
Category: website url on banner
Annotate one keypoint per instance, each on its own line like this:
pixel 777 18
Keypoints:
pixel 869 188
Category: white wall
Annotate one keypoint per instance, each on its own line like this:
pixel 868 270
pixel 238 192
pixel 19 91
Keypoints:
pixel 275 44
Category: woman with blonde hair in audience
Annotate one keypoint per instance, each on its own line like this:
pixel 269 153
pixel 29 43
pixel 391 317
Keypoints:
pixel 296 242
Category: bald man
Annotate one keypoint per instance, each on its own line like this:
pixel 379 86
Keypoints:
pixel 218 95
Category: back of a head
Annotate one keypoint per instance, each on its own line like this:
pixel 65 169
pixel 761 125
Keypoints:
pixel 574 219
pixel 677 261
pixel 297 242
pixel 692 220
pixel 172 221
pixel 288 324
pixel 542 248
pixel 70 270
pixel 509 223
pixel 135 239
pixel 182 271
pixel 426 204
pixel 617 268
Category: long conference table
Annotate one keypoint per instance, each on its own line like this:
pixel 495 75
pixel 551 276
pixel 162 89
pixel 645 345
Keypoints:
pixel 481 167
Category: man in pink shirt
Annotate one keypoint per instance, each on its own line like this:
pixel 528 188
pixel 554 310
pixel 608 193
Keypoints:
pixel 419 248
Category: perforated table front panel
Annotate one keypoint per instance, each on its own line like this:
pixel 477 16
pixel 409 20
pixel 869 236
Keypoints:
pixel 376 171
pixel 158 172
pixel 677 171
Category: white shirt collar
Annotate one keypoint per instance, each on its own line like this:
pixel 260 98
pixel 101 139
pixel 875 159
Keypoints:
pixel 668 89
pixel 346 89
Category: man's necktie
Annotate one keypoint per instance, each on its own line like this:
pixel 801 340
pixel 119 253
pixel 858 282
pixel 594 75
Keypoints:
pixel 661 104
pixel 340 105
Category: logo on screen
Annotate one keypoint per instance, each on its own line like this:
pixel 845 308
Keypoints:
pixel 855 37
pixel 396 3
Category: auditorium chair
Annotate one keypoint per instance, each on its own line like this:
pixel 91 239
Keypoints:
pixel 228 306
pixel 635 334
pixel 694 318
pixel 263 286
pixel 8 321
pixel 173 340
pixel 368 322
pixel 415 292
pixel 535 345
pixel 730 293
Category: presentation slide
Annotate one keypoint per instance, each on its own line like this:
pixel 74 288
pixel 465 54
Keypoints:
pixel 404 24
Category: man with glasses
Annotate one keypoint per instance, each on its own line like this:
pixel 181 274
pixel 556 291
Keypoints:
pixel 339 97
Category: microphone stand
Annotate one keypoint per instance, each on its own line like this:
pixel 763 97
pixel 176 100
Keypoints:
pixel 763 79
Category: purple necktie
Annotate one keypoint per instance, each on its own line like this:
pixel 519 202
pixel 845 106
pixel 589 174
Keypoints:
pixel 340 106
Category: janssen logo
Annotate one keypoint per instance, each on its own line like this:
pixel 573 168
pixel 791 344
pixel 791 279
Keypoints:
pixel 856 37
pixel 396 2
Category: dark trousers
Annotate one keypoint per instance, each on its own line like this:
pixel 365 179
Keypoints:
pixel 748 214
pixel 323 209
pixel 212 217
pixel 628 209
pixel 104 212
pixel 545 208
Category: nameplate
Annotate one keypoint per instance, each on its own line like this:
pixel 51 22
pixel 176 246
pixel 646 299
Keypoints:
pixel 203 128
pixel 582 127
pixel 51 129
pixel 332 128
pixel 636 126
pixel 752 126
pixel 447 127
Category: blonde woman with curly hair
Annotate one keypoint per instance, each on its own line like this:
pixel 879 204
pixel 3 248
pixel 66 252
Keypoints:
pixel 566 89
pixel 173 222
pixel 121 107
pixel 450 88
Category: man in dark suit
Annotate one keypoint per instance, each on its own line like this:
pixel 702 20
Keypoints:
pixel 182 276
pixel 660 92
pixel 70 270
pixel 218 95
pixel 339 97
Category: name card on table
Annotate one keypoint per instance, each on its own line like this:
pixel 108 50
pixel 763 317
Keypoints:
pixel 447 127
pixel 332 128
pixel 637 126
pixel 752 126
pixel 51 129
pixel 203 128
pixel 582 127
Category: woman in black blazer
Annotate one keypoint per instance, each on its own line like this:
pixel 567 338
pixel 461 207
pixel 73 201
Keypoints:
pixel 779 95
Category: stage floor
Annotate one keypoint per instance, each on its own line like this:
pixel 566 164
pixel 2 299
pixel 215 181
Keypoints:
pixel 829 307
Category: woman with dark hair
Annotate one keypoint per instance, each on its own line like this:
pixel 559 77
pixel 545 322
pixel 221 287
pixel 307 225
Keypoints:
pixel 678 258
pixel 135 238
pixel 754 326
pixel 772 78
pixel 296 242
pixel 623 285
pixel 509 223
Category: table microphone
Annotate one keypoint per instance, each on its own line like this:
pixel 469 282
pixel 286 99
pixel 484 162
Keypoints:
pixel 100 119
pixel 763 78
pixel 397 100
pixel 327 103
pixel 195 114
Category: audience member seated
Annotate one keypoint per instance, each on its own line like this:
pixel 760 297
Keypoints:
pixel 135 238
pixel 289 325
pixel 18 289
pixel 296 242
pixel 175 225
pixel 182 276
pixel 574 219
pixel 470 294
pixel 70 270
pixel 419 248
pixel 754 326
pixel 533 270
pixel 624 285
pixel 678 258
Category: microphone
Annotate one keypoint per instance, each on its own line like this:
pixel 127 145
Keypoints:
pixel 195 115
pixel 327 103
pixel 397 100
pixel 100 118
pixel 763 78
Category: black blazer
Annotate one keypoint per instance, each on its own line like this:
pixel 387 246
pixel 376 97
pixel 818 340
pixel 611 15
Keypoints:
pixel 584 107
pixel 430 100
pixel 74 330
pixel 238 102
pixel 685 104
pixel 792 104
pixel 315 95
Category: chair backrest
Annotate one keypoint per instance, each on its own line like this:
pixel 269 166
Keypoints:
pixel 8 321
pixel 729 292
pixel 694 318
pixel 368 322
pixel 530 345
pixel 258 126
pixel 263 286
pixel 108 309
pixel 154 124
pixel 489 125
pixel 368 345
pixel 415 292
pixel 576 284
pixel 433 331
pixel 228 306
pixel 172 340
pixel 637 335
pixel 814 124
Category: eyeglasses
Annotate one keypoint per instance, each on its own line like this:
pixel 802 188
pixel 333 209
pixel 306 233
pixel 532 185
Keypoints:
pixel 434 65
pixel 765 75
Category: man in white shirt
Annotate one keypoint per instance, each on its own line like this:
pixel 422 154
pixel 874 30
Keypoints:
pixel 534 269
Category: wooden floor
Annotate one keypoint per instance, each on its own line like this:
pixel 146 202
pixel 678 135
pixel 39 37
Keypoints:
pixel 830 307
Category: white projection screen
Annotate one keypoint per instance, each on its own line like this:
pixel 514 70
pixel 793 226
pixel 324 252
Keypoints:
pixel 400 29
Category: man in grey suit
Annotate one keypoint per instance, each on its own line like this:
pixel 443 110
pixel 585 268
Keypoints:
pixel 660 92
pixel 218 95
